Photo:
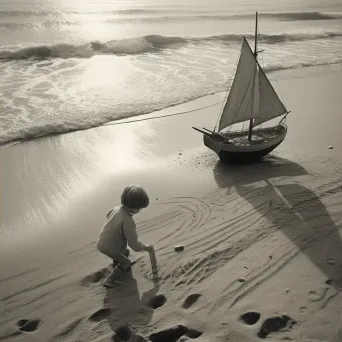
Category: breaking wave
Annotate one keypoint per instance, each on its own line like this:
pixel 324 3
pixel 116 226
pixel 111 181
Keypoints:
pixel 277 38
pixel 296 65
pixel 115 47
pixel 149 43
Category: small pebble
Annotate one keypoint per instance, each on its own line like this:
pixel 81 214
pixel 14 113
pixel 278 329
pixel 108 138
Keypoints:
pixel 331 262
pixel 287 290
pixel 270 256
pixel 245 267
pixel 242 279
pixel 179 248
pixel 330 147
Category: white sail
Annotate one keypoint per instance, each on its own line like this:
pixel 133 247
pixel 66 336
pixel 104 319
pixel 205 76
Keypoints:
pixel 240 102
pixel 270 104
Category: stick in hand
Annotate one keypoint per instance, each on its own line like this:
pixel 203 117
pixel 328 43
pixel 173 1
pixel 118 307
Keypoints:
pixel 153 262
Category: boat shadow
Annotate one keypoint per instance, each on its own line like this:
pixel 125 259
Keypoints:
pixel 290 207
pixel 128 308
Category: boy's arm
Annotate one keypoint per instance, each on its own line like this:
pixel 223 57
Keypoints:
pixel 129 229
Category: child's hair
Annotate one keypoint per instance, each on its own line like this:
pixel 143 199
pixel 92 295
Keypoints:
pixel 134 197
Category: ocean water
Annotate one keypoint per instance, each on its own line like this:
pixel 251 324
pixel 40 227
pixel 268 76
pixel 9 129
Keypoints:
pixel 72 64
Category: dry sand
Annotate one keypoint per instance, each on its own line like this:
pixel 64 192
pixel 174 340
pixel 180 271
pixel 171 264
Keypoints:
pixel 263 248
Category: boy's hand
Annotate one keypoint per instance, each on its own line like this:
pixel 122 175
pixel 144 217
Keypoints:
pixel 148 248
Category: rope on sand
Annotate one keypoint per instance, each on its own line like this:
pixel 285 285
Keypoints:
pixel 9 144
pixel 160 116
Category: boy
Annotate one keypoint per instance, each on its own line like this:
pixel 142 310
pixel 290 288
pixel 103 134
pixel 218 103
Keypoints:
pixel 120 230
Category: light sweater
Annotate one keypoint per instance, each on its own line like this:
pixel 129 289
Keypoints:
pixel 118 231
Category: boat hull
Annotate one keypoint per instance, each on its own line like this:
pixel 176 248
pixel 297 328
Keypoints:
pixel 232 152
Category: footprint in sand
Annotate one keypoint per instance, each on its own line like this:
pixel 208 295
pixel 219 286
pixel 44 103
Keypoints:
pixel 123 332
pixel 303 309
pixel 250 318
pixel 27 325
pixel 157 301
pixel 95 277
pixel 174 334
pixel 138 338
pixel 275 324
pixel 191 300
pixel 318 294
pixel 193 333
pixel 99 315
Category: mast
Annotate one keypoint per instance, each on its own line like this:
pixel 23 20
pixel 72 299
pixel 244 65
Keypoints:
pixel 250 130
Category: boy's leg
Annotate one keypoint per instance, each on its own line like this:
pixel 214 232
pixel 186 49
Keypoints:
pixel 123 265
pixel 122 261
pixel 126 253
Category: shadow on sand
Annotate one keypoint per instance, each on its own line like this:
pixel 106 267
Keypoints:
pixel 128 310
pixel 292 208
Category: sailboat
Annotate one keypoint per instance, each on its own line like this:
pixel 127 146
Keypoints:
pixel 252 100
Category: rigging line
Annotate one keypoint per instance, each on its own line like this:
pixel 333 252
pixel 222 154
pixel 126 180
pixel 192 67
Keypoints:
pixel 160 116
